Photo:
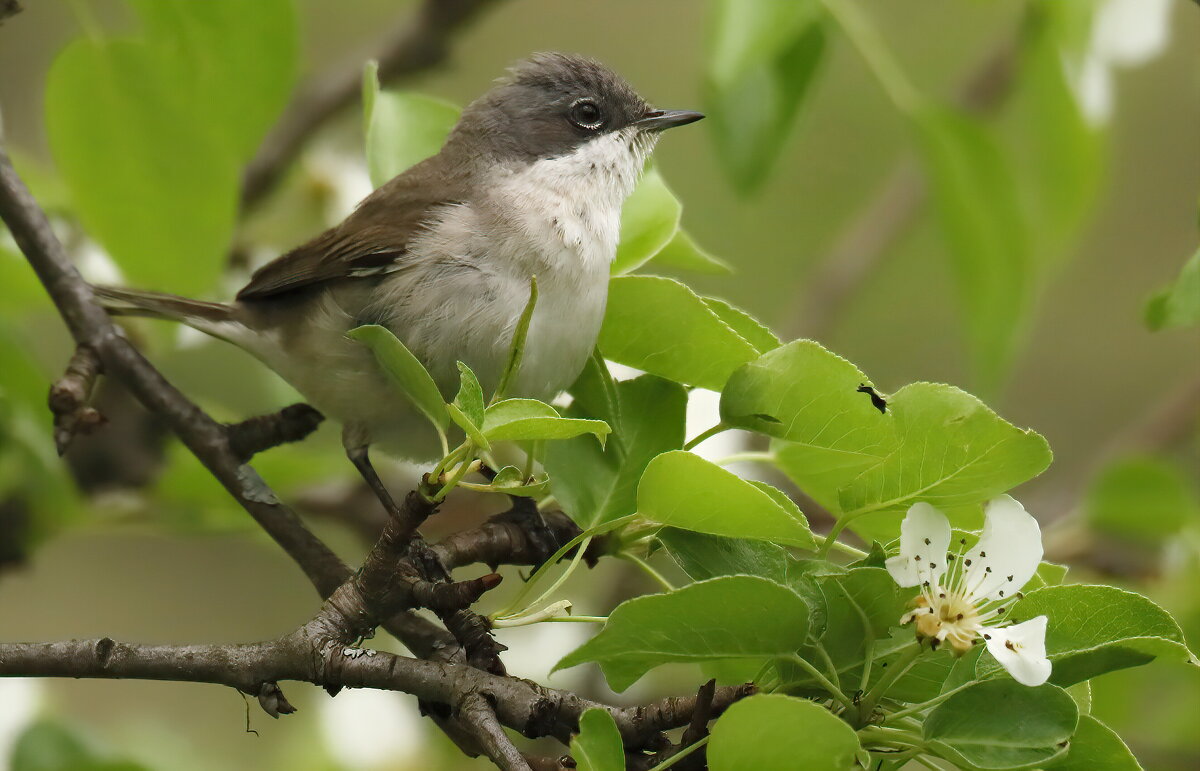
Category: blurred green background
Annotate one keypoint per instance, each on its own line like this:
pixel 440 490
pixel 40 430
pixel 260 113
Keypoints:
pixel 165 557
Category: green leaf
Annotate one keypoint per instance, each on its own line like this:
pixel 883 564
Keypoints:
pixel 469 427
pixel 596 486
pixel 649 221
pixel 1141 497
pixel 1002 724
pixel 187 102
pixel 934 443
pixel 1179 304
pixel 403 128
pixel 405 371
pixel 597 746
pixel 1096 747
pixel 511 481
pixel 977 203
pixel 794 391
pixel 682 253
pixel 470 395
pixel 841 631
pixel 529 419
pixel 1098 629
pixel 660 326
pixel 516 351
pixel 684 490
pixel 750 328
pixel 951 451
pixel 702 621
pixel 704 556
pixel 780 733
pixel 766 55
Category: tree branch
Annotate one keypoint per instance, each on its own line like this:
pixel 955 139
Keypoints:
pixel 528 708
pixel 421 44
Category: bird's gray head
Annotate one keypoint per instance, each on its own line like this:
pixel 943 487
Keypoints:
pixel 553 104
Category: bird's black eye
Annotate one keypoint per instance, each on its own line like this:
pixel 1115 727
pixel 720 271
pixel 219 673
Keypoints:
pixel 586 114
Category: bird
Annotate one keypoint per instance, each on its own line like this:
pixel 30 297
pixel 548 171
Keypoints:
pixel 529 182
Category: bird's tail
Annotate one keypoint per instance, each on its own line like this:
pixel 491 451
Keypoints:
pixel 215 319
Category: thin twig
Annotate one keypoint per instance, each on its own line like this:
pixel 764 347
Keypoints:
pixel 420 45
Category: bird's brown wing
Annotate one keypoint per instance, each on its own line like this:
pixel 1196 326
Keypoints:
pixel 372 240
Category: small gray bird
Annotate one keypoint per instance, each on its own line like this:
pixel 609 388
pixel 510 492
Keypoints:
pixel 530 182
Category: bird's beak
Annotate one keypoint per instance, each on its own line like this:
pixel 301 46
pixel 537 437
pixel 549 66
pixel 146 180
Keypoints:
pixel 657 120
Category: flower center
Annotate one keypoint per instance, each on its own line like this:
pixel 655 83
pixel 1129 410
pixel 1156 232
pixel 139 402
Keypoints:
pixel 947 617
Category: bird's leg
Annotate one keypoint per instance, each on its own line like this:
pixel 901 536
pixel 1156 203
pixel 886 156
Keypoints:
pixel 362 461
pixel 429 563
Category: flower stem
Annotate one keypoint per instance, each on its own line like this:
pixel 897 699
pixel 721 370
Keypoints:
pixel 678 756
pixel 899 667
pixel 710 433
pixel 649 570
pixel 936 700
pixel 815 674
pixel 746 457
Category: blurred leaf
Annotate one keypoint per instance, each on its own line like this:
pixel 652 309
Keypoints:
pixel 660 326
pixel 402 128
pixel 1062 156
pixel 596 486
pixel 529 419
pixel 168 199
pixel 686 491
pixel 1095 747
pixel 1179 304
pixel 46 746
pixel 1097 629
pixel 683 253
pixel 405 371
pixel 766 54
pixel 701 621
pixel 598 746
pixel 1002 724
pixel 976 199
pixel 236 62
pixel 769 732
pixel 186 103
pixel 649 221
pixel 704 556
pixel 20 289
pixel 1144 497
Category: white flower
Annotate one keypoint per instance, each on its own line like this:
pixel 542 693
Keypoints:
pixel 965 594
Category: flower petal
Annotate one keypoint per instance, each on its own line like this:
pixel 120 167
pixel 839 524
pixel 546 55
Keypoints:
pixel 1021 649
pixel 924 539
pixel 1007 554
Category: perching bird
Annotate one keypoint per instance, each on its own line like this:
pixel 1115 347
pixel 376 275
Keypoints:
pixel 530 182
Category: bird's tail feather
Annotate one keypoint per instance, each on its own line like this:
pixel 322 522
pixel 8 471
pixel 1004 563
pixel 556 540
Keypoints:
pixel 135 302
pixel 216 319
